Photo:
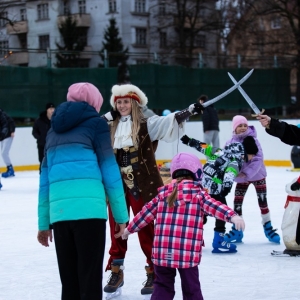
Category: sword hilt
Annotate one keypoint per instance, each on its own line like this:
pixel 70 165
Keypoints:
pixel 255 115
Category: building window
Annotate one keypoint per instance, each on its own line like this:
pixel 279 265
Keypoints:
pixel 66 9
pixel 82 36
pixel 200 41
pixel 140 36
pixel 140 6
pixel 82 7
pixel 23 15
pixel 3 47
pixel 162 9
pixel 112 6
pixel 23 40
pixel 3 21
pixel 43 11
pixel 44 42
pixel 276 23
pixel 162 39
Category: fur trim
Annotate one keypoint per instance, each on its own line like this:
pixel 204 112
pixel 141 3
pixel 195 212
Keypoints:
pixel 128 90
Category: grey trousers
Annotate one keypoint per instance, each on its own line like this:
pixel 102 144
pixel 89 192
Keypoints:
pixel 212 137
pixel 5 148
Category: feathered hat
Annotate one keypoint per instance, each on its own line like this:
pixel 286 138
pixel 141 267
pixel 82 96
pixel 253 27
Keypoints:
pixel 128 91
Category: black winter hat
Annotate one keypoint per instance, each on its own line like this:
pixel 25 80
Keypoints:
pixel 49 105
pixel 250 146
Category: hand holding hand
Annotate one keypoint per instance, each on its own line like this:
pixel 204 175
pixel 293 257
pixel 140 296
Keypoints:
pixel 238 222
pixel 44 236
pixel 125 234
pixel 185 139
pixel 121 228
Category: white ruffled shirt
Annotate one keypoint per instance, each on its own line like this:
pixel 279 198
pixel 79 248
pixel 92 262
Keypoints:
pixel 123 136
pixel 160 128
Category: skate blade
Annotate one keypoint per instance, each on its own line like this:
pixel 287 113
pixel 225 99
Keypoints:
pixel 223 251
pixel 115 294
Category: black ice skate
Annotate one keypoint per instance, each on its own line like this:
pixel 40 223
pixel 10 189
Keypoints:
pixel 148 284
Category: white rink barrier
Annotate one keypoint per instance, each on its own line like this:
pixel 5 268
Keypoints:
pixel 24 153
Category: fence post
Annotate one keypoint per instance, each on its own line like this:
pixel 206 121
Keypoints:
pixel 105 59
pixel 275 62
pixel 200 60
pixel 48 58
pixel 239 61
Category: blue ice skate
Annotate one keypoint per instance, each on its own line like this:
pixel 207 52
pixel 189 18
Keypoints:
pixel 270 233
pixel 10 172
pixel 234 236
pixel 0 185
pixel 221 246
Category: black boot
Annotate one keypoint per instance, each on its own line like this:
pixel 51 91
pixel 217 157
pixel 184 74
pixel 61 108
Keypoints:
pixel 148 284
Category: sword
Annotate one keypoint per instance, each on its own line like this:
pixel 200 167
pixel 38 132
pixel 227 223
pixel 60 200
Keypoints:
pixel 237 85
pixel 247 98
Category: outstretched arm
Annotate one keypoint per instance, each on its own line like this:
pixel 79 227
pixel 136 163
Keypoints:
pixel 287 133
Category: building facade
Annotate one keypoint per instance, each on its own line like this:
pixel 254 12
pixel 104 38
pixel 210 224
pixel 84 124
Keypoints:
pixel 29 31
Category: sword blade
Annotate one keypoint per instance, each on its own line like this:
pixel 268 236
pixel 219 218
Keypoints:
pixel 246 97
pixel 207 103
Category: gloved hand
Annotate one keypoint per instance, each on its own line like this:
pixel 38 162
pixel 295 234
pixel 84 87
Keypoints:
pixel 225 191
pixel 112 115
pixel 196 108
pixel 125 234
pixel 238 223
pixel 185 140
pixel 295 186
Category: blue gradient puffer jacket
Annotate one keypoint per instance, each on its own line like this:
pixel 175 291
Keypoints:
pixel 79 169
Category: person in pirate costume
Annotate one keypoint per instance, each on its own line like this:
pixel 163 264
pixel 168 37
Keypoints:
pixel 134 140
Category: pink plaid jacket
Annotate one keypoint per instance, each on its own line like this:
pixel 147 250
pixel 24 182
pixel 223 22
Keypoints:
pixel 179 229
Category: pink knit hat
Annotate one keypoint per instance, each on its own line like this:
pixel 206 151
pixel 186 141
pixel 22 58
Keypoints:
pixel 85 92
pixel 238 120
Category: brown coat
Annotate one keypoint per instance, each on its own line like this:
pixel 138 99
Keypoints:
pixel 145 169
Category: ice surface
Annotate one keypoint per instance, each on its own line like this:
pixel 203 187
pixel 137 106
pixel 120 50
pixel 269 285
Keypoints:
pixel 29 271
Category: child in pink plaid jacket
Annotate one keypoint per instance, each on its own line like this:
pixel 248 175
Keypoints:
pixel 178 210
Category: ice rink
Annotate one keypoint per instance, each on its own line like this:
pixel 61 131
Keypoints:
pixel 28 271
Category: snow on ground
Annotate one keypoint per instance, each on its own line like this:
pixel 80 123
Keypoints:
pixel 29 271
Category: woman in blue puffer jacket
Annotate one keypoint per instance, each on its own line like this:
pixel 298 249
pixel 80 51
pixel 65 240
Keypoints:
pixel 79 173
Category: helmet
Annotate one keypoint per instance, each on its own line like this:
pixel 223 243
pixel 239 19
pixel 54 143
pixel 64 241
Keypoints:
pixel 186 164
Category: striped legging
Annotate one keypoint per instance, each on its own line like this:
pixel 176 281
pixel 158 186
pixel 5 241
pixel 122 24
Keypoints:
pixel 261 191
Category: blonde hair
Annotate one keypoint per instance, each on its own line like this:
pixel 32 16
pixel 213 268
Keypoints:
pixel 172 198
pixel 137 118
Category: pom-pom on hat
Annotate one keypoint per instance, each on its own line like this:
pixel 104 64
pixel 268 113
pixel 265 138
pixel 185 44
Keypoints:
pixel 85 92
pixel 238 120
pixel 250 146
pixel 128 91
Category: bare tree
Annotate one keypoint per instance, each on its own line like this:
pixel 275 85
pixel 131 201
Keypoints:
pixel 185 22
pixel 195 26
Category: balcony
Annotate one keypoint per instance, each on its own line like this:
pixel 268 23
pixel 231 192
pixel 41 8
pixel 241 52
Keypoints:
pixel 17 27
pixel 82 20
pixel 86 53
pixel 18 58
